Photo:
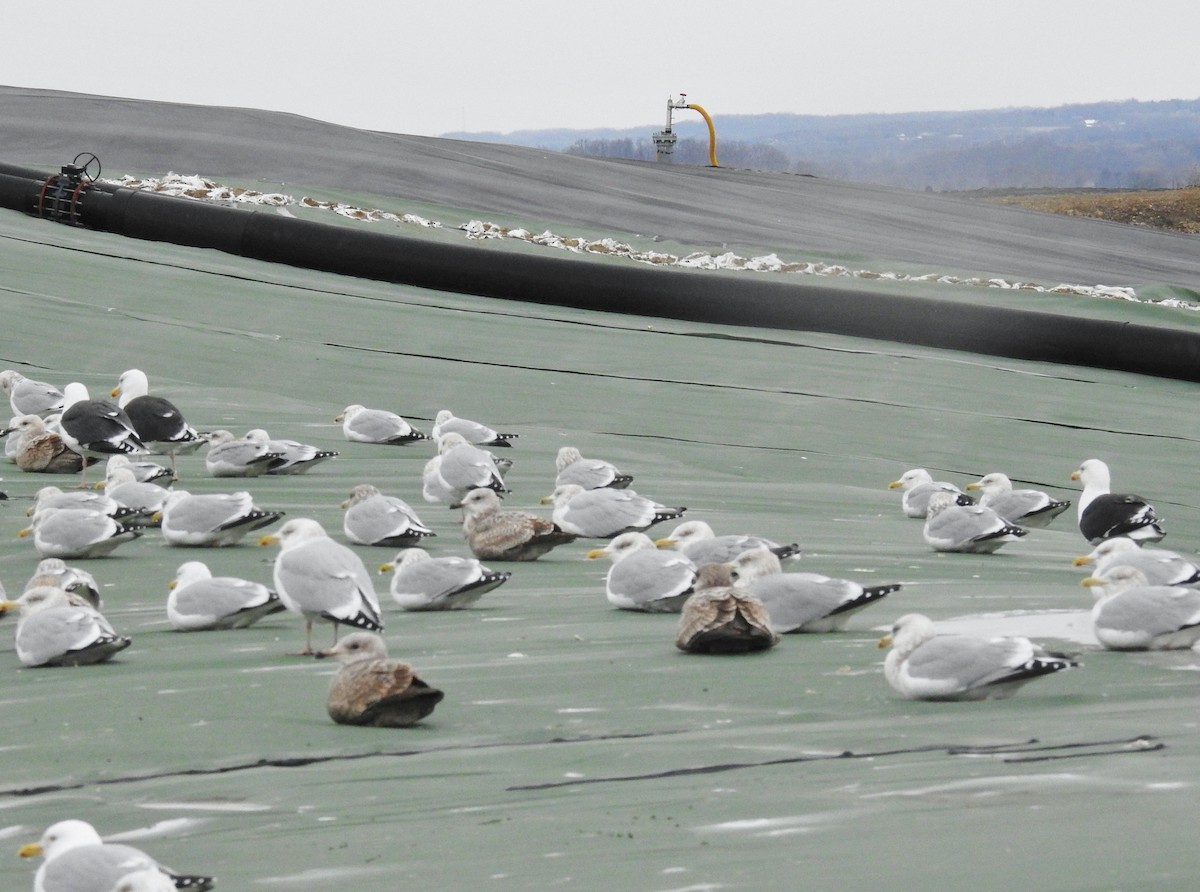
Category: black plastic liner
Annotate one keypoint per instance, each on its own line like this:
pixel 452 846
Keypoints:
pixel 738 299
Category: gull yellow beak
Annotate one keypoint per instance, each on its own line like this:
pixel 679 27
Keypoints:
pixel 1074 475
pixel 1091 581
pixel 115 392
pixel 269 539
pixel 171 585
pixel 595 553
pixel 25 532
pixel 386 568
pixel 664 543
pixel 973 486
pixel 545 500
pixel 1082 560
pixel 6 606
pixel 339 418
pixel 30 850
pixel 885 641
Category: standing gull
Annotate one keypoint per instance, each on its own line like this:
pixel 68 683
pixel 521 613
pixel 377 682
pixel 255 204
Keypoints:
pixel 917 486
pixel 923 665
pixel 1161 567
pixel 720 619
pixel 643 577
pixel 697 541
pixel 801 602
pixel 472 431
pixel 78 860
pixel 29 397
pixel 1132 614
pixel 1030 508
pixel 363 425
pixel 58 629
pixel 966 528
pixel 590 473
pixel 495 534
pixel 372 689
pixel 159 424
pixel 373 518
pixel 322 580
pixel 212 520
pixel 1105 515
pixel 199 601
pixel 604 513
pixel 40 450
pixel 96 428
pixel 422 582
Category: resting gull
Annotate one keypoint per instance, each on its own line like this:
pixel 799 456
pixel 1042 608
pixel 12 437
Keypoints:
pixel 923 665
pixel 643 577
pixel 30 397
pixel 199 601
pixel 147 499
pixel 966 528
pixel 590 473
pixel 149 880
pixel 918 485
pixel 294 457
pixel 212 520
pixel 721 619
pixel 144 471
pixel 96 427
pixel 499 535
pixel 457 469
pixel 1161 567
pixel 373 518
pixel 363 425
pixel 232 456
pixel 321 579
pixel 55 572
pixel 1029 508
pixel 1106 515
pixel 78 860
pixel 604 513
pixel 1132 614
pixel 472 431
pixel 40 450
pixel 59 629
pixel 696 540
pixel 422 582
pixel 67 533
pixel 801 602
pixel 52 498
pixel 372 689
pixel 159 424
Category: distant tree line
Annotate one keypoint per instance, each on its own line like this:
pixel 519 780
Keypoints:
pixel 734 153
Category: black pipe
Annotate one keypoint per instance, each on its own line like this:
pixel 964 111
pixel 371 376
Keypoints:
pixel 739 299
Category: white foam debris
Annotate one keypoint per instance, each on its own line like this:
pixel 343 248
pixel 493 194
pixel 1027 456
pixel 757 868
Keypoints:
pixel 202 189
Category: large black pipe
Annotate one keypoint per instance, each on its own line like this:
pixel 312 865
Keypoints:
pixel 739 299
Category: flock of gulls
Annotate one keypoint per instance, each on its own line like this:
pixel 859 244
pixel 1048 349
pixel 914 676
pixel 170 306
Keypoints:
pixel 732 592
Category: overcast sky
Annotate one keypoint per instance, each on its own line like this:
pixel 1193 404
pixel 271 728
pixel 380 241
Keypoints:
pixel 429 67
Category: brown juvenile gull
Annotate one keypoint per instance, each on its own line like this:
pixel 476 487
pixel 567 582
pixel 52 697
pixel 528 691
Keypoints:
pixel 158 422
pixel 321 579
pixel 199 601
pixel 590 473
pixel 696 540
pixel 363 425
pixel 604 513
pixel 1161 567
pixel 1105 515
pixel 720 619
pixel 802 602
pixel 30 397
pixel 1132 614
pixel 372 689
pixel 966 528
pixel 78 860
pixel 923 665
pixel 472 431
pixel 643 577
pixel 448 582
pixel 212 520
pixel 59 629
pixel 498 535
pixel 918 485
pixel 40 450
pixel 1029 508
pixel 373 518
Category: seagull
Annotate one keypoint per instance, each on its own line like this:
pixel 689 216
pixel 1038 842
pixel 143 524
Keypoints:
pixel 1132 614
pixel 643 577
pixel 232 456
pixel 212 520
pixel 457 469
pixel 918 485
pixel 96 428
pixel 294 457
pixel 373 518
pixel 147 499
pixel 923 665
pixel 59 629
pixel 696 540
pixel 495 534
pixel 29 397
pixel 78 860
pixel 604 513
pixel 720 619
pixel 159 424
pixel 363 425
pixel 966 528
pixel 40 450
pixel 1029 508
pixel 321 579
pixel 199 601
pixel 55 573
pixel 590 473
pixel 143 471
pixel 1161 567
pixel 1106 515
pixel 72 533
pixel 372 689
pixel 472 431
pixel 422 582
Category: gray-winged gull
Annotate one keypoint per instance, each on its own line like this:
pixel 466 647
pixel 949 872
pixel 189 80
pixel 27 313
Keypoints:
pixel 212 520
pixel 76 859
pixel 495 534
pixel 472 431
pixel 96 427
pixel 643 577
pixel 801 602
pixel 321 579
pixel 233 456
pixel 56 573
pixel 158 422
pixel 363 425
pixel 294 457
pixel 40 450
pixel 449 582
pixel 372 689
pixel 1132 614
pixel 67 533
pixel 52 498
pixel 917 485
pixel 696 540
pixel 30 397
pixel 966 528
pixel 457 469
pixel 373 518
pixel 1105 515
pixel 144 471
pixel 148 880
pixel 1029 508
pixel 1161 567
pixel 604 513
pixel 923 665
pixel 721 619
pixel 58 629
pixel 199 601
pixel 590 473
pixel 147 499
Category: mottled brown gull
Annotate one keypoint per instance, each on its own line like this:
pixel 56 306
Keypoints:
pixel 720 619
pixel 372 689
pixel 496 534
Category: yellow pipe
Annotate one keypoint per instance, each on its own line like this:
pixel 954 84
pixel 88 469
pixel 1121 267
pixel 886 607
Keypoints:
pixel 712 135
